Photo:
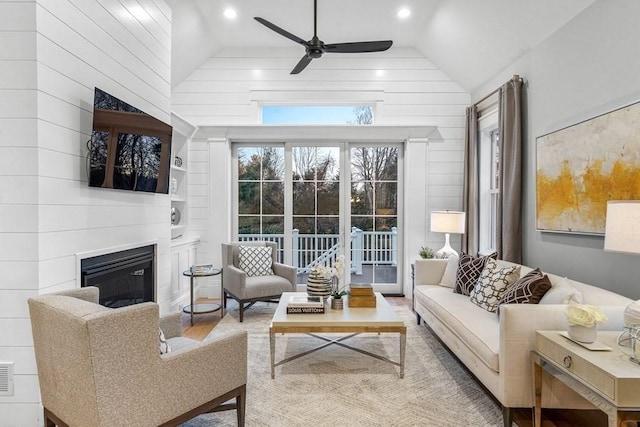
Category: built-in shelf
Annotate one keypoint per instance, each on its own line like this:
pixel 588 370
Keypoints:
pixel 182 131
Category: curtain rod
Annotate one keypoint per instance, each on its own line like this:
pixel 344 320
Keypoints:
pixel 514 78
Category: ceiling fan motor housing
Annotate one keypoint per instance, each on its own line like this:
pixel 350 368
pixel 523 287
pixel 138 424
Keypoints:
pixel 315 47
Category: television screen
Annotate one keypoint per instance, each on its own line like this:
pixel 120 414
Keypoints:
pixel 129 149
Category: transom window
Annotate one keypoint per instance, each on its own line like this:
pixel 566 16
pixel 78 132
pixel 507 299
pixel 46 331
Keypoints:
pixel 317 114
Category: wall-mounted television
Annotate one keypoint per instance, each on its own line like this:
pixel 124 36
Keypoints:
pixel 129 149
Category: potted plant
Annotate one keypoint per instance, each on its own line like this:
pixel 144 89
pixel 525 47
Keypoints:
pixel 425 252
pixel 337 289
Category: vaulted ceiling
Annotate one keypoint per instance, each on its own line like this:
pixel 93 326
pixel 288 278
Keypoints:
pixel 470 40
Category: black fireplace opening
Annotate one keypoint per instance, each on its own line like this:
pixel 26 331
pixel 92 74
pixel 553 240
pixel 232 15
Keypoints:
pixel 124 277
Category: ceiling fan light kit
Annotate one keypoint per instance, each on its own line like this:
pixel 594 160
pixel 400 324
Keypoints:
pixel 315 47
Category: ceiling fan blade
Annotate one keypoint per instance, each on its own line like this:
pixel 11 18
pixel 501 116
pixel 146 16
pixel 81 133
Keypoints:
pixel 358 47
pixel 301 65
pixel 280 31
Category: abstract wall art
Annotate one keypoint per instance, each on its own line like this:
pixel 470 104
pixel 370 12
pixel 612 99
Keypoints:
pixel 581 167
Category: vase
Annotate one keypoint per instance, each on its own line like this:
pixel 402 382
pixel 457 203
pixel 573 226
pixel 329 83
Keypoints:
pixel 585 334
pixel 337 303
pixel 318 285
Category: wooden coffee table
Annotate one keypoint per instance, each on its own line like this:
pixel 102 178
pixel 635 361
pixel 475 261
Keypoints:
pixel 350 320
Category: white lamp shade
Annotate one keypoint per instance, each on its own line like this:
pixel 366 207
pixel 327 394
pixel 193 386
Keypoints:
pixel 622 228
pixel 448 222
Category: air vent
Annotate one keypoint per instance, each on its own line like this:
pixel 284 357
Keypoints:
pixel 6 378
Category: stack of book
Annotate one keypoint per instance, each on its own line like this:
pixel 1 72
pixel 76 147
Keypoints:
pixel 305 304
pixel 201 268
pixel 361 295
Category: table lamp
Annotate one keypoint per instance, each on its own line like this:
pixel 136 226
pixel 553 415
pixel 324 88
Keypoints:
pixel 447 222
pixel 622 234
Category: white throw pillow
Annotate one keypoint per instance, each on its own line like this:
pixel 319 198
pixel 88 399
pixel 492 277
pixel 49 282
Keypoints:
pixel 255 260
pixel 562 292
pixel 164 345
pixel 492 283
pixel 449 276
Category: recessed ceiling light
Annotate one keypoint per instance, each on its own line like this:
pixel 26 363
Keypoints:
pixel 380 73
pixel 230 13
pixel 404 13
pixel 257 72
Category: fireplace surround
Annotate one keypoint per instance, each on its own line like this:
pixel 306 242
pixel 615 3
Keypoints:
pixel 124 277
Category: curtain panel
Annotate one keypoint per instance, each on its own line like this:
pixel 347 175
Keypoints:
pixel 471 187
pixel 509 215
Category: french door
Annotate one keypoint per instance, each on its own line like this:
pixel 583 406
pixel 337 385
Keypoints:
pixel 322 200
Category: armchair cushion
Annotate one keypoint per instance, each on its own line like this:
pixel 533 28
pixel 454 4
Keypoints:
pixel 255 260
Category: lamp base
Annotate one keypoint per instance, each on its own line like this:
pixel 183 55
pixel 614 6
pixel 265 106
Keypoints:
pixel 445 254
pixel 446 251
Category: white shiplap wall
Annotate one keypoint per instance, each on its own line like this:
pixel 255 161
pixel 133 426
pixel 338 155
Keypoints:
pixel 404 87
pixel 53 54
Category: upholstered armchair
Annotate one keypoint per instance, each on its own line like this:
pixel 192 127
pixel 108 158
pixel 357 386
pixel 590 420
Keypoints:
pixel 99 366
pixel 244 277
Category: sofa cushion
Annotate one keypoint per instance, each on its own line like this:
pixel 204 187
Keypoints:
pixel 449 275
pixel 529 289
pixel 468 272
pixel 476 327
pixel 493 282
pixel 255 260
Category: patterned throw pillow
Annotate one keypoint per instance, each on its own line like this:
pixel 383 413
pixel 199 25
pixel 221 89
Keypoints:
pixel 164 345
pixel 493 282
pixel 255 260
pixel 529 289
pixel 469 269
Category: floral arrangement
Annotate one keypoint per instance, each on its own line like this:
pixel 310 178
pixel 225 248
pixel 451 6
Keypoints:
pixel 335 275
pixel 584 315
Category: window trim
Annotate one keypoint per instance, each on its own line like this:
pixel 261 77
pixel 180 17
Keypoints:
pixel 487 130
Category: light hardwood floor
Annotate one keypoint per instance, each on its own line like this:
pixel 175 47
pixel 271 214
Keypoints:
pixel 205 323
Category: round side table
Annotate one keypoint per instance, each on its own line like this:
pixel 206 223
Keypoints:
pixel 200 308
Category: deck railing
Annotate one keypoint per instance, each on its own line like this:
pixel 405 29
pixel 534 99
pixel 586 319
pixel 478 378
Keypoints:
pixel 311 250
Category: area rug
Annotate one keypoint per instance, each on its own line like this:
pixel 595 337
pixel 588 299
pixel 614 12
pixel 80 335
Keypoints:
pixel 336 386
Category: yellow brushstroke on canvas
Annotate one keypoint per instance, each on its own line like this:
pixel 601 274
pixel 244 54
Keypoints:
pixel 581 198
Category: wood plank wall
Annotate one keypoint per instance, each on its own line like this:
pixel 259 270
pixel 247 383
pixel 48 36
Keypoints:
pixel 53 53
pixel 404 87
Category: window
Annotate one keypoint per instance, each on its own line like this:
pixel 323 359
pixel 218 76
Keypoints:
pixel 318 200
pixel 489 179
pixel 317 115
pixel 261 193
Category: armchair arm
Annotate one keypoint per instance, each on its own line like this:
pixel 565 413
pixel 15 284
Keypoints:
pixel 171 324
pixel 192 376
pixel 234 279
pixel 288 272
pixel 518 326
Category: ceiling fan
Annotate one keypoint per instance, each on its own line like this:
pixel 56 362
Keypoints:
pixel 315 47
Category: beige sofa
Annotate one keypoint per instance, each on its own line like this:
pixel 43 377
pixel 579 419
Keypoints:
pixel 496 349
